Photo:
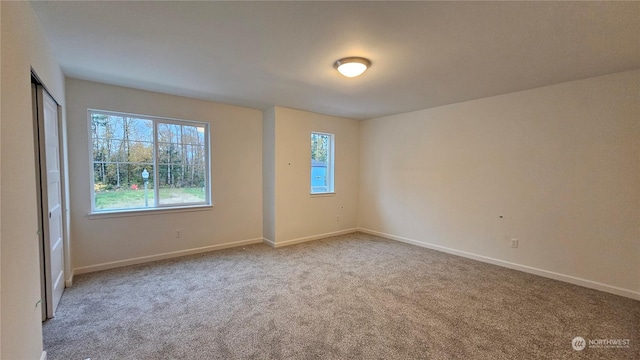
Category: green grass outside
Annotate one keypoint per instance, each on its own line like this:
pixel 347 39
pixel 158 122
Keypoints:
pixel 127 199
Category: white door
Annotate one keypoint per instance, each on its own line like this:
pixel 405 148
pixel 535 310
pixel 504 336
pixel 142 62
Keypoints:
pixel 51 190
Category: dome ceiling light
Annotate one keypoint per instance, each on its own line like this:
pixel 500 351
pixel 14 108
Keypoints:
pixel 352 66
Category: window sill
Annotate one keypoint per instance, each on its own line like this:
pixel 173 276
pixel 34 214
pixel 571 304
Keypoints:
pixel 144 212
pixel 322 194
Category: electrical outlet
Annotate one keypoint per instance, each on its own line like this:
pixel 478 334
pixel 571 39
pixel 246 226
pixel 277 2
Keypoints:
pixel 337 217
pixel 178 234
pixel 514 243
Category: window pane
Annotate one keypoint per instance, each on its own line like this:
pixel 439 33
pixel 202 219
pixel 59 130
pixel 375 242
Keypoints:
pixel 181 158
pixel 140 152
pixel 122 148
pixel 321 165
pixel 139 129
pixel 181 190
pixel 106 127
pixel 107 196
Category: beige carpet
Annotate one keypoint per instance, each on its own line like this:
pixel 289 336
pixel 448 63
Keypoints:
pixel 349 297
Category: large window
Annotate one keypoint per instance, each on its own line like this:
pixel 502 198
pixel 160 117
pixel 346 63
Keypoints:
pixel 322 148
pixel 143 162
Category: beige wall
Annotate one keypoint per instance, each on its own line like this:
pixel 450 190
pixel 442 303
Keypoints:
pixel 23 47
pixel 298 215
pixel 560 163
pixel 236 174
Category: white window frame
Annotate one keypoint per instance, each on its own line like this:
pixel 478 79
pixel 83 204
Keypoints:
pixel 156 167
pixel 330 166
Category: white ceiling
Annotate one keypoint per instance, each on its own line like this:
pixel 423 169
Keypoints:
pixel 260 54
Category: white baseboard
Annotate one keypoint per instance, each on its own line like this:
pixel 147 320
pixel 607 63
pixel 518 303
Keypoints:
pixel 69 280
pixel 163 256
pixel 307 238
pixel 524 268
pixel 43 356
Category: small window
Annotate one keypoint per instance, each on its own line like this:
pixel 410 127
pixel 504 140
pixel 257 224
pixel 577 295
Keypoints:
pixel 322 149
pixel 144 162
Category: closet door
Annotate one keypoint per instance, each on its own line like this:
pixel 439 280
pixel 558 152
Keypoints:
pixel 51 190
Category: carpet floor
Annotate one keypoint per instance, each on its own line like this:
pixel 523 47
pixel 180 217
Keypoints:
pixel 354 296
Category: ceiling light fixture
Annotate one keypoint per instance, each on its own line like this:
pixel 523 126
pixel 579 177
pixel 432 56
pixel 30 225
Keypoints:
pixel 352 66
